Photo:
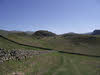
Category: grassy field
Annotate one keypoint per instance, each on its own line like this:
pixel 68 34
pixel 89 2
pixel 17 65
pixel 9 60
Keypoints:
pixel 52 64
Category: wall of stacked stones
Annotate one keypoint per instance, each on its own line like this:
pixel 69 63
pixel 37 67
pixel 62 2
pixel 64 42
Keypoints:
pixel 6 55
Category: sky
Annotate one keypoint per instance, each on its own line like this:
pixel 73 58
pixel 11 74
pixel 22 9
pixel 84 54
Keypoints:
pixel 58 16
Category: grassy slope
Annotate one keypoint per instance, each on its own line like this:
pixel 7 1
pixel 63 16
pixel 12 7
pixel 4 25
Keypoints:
pixel 10 45
pixel 53 64
pixel 76 44
pixel 70 43
pixel 25 39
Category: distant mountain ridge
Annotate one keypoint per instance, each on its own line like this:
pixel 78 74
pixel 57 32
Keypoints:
pixel 45 33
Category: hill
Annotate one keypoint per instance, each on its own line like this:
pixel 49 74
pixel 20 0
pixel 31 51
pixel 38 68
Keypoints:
pixel 54 63
pixel 43 33
pixel 77 43
pixel 9 44
pixel 4 32
pixel 96 32
pixel 85 44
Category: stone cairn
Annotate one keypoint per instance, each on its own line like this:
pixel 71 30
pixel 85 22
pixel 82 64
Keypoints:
pixel 6 55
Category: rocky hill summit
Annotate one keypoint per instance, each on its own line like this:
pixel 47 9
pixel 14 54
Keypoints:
pixel 96 32
pixel 43 33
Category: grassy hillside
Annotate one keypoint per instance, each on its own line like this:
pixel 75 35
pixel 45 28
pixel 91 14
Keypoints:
pixel 24 38
pixel 86 44
pixel 52 64
pixel 11 45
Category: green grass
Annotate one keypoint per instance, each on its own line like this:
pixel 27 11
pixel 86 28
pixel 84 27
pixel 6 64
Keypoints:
pixel 53 64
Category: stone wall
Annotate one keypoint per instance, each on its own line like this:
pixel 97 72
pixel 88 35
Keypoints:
pixel 6 55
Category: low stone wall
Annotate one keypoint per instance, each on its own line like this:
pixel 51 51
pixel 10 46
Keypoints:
pixel 6 55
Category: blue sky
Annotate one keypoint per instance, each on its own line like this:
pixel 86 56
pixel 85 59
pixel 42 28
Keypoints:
pixel 59 16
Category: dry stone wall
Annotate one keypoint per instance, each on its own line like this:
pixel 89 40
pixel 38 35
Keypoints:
pixel 6 55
